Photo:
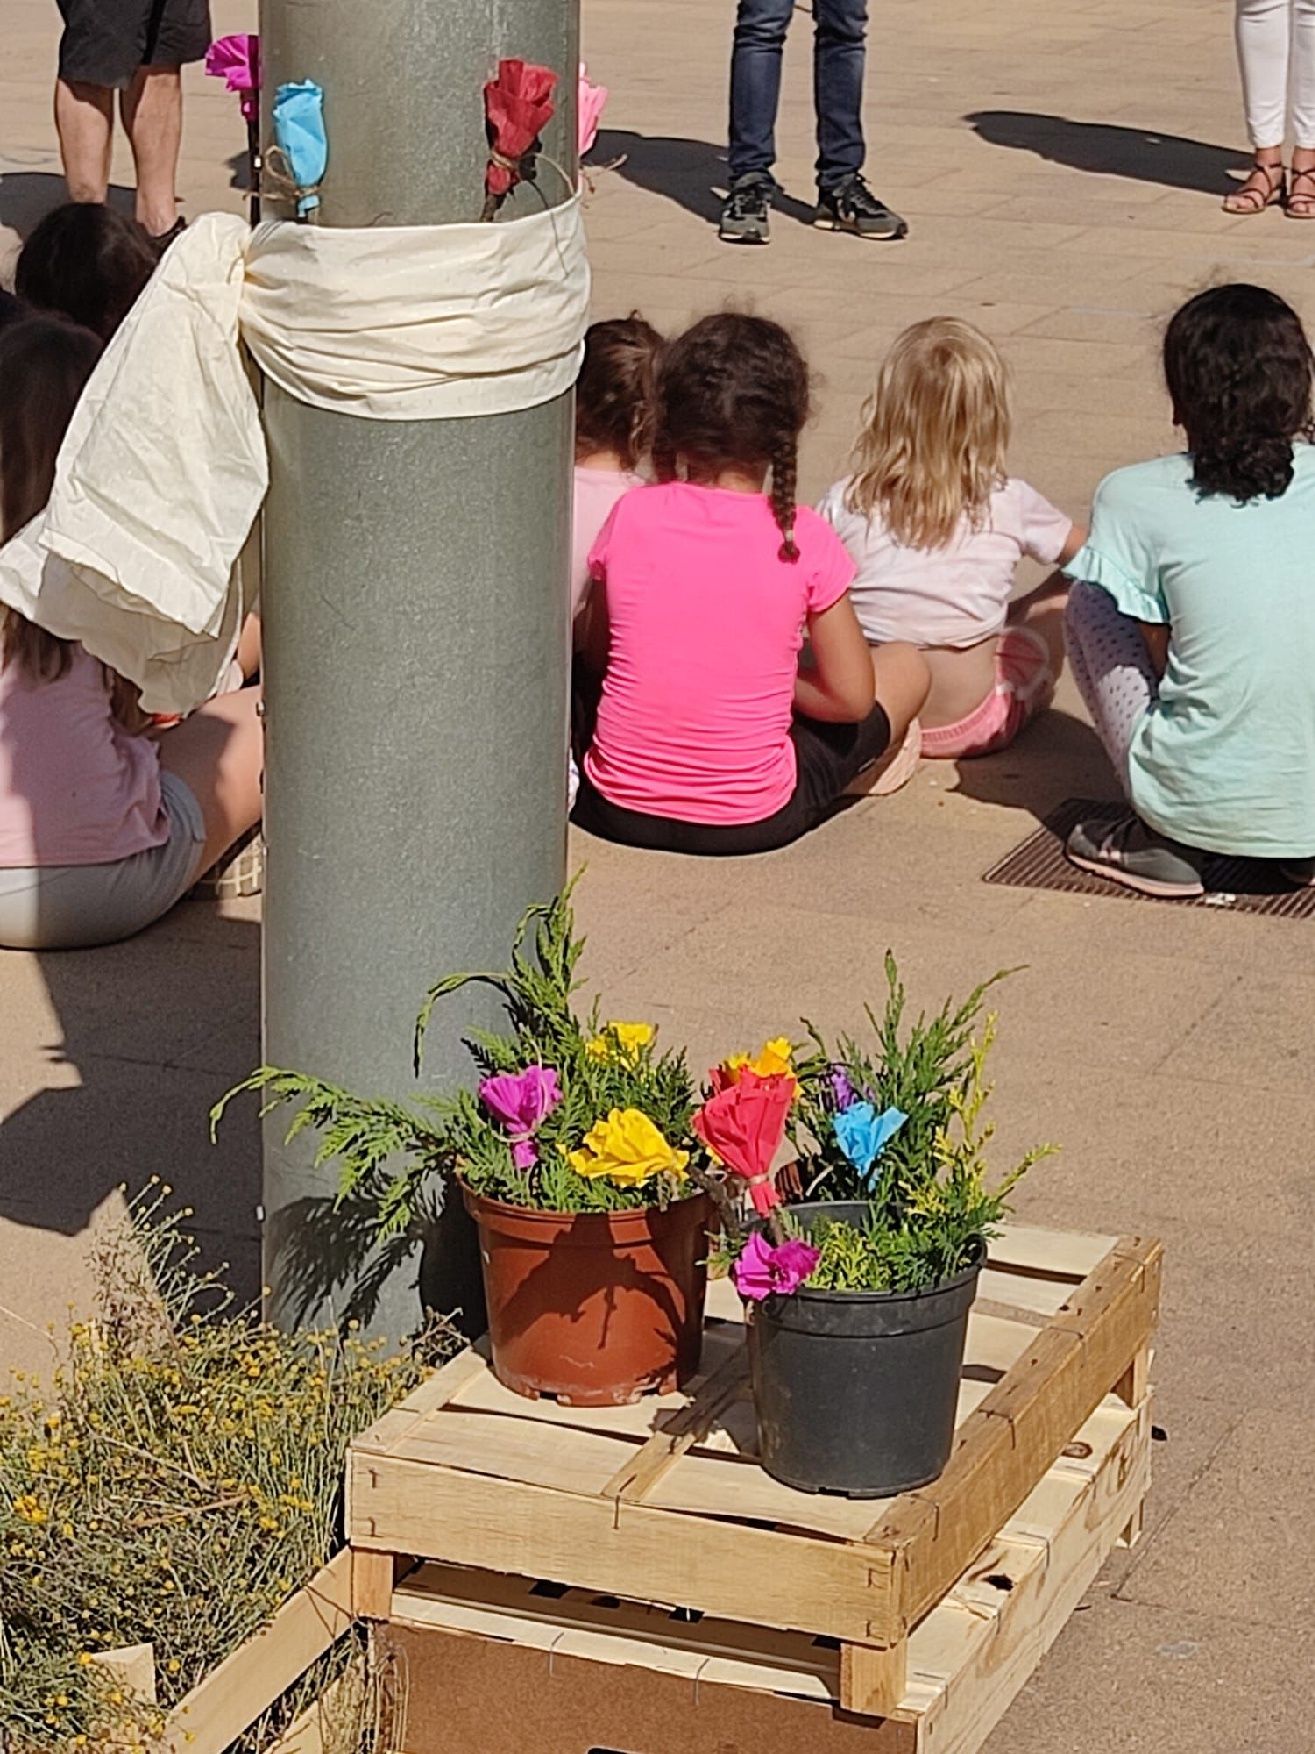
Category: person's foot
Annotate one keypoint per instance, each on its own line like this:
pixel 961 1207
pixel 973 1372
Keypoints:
pixel 1130 853
pixel 163 239
pixel 851 206
pixel 746 212
pixel 1266 186
pixel 1301 192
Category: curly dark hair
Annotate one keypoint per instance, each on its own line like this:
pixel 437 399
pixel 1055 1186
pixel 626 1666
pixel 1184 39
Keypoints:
pixel 614 392
pixel 733 393
pixel 86 262
pixel 1239 370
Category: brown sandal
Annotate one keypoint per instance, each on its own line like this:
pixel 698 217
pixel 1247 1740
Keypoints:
pixel 1301 203
pixel 1266 186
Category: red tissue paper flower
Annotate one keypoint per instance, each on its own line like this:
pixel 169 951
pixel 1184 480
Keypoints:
pixel 743 1126
pixel 517 106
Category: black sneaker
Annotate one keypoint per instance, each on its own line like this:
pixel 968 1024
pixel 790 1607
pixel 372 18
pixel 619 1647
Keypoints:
pixel 745 212
pixel 851 206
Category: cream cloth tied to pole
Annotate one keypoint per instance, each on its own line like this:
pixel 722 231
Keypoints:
pixel 163 469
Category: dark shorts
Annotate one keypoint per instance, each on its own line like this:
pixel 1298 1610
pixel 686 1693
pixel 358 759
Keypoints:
pixel 828 758
pixel 106 41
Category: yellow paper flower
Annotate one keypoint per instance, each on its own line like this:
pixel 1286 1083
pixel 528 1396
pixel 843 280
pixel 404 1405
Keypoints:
pixel 774 1056
pixel 620 1042
pixel 629 1149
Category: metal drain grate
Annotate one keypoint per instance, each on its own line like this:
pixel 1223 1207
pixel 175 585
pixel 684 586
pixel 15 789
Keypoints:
pixel 1248 885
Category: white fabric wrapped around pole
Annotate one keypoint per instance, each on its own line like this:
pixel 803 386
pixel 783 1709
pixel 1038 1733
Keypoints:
pixel 163 470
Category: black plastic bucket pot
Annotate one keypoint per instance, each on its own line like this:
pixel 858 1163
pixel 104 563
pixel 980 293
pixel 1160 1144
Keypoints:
pixel 856 1391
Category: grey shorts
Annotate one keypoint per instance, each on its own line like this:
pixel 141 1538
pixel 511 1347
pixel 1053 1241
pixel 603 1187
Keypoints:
pixel 106 41
pixel 70 907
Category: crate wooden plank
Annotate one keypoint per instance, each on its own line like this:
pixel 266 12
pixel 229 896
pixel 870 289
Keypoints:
pixel 227 1702
pixel 734 1570
pixel 1063 1254
pixel 1020 1428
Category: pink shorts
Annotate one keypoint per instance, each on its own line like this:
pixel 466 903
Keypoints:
pixel 1024 686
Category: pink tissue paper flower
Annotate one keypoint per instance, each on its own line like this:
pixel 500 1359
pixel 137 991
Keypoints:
pixel 767 1270
pixel 519 1101
pixel 591 102
pixel 236 60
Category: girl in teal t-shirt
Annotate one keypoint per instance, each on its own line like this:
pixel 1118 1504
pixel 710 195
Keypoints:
pixel 1191 624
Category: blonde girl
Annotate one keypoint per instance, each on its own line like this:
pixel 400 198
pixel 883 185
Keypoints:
pixel 936 527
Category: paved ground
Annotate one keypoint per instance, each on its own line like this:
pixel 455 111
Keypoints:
pixel 1062 168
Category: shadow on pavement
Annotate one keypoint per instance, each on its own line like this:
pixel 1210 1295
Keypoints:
pixel 1056 757
pixel 692 173
pixel 147 1035
pixel 1140 154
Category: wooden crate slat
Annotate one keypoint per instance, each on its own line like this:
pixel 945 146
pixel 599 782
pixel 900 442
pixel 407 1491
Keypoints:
pixel 734 1570
pixel 710 1485
pixel 425 1399
pixel 560 1456
pixel 1063 1254
pixel 228 1701
pixel 680 1432
pixel 1018 1431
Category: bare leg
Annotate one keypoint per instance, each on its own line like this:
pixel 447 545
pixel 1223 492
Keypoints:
pixel 220 753
pixel 1043 611
pixel 152 110
pixel 84 120
pixel 248 646
pixel 903 682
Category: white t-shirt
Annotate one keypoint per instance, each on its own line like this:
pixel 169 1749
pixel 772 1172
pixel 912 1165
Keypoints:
pixel 952 596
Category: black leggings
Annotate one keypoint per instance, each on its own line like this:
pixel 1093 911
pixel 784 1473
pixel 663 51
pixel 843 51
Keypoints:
pixel 828 758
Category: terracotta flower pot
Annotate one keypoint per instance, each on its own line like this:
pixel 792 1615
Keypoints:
pixel 596 1308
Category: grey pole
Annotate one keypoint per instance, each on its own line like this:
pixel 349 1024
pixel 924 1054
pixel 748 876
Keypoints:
pixel 415 651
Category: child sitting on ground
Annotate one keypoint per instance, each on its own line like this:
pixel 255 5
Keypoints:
pixel 613 425
pixel 936 529
pixel 709 738
pixel 1191 621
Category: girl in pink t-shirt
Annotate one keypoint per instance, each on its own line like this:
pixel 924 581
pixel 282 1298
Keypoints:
pixel 613 427
pixel 102 827
pixel 710 737
pixel 936 529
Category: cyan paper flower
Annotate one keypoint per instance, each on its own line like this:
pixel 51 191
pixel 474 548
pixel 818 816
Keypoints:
pixel 863 1134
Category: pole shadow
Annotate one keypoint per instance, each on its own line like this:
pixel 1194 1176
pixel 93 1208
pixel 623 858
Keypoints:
pixel 1142 155
pixel 691 173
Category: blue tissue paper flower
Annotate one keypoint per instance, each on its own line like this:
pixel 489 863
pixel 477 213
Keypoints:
pixel 863 1134
pixel 298 117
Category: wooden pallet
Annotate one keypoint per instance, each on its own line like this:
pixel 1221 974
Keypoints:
pixel 664 1503
pixel 482 1653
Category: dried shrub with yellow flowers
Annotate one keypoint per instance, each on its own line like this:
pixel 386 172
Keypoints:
pixel 174 1481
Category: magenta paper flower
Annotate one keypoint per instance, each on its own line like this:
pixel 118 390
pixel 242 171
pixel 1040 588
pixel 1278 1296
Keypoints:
pixel 236 60
pixel 520 1101
pixel 767 1269
pixel 590 109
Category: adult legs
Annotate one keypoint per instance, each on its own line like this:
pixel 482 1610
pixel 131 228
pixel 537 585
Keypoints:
pixel 219 752
pixel 84 121
pixel 759 44
pixel 1302 203
pixel 152 108
pixel 838 60
pixel 1263 32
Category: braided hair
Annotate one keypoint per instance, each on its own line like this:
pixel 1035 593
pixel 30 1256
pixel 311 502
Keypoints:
pixel 733 393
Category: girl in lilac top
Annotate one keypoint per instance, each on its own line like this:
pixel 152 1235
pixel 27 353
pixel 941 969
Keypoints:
pixel 102 826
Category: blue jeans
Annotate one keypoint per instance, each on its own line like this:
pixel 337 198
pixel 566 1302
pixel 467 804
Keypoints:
pixel 838 54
